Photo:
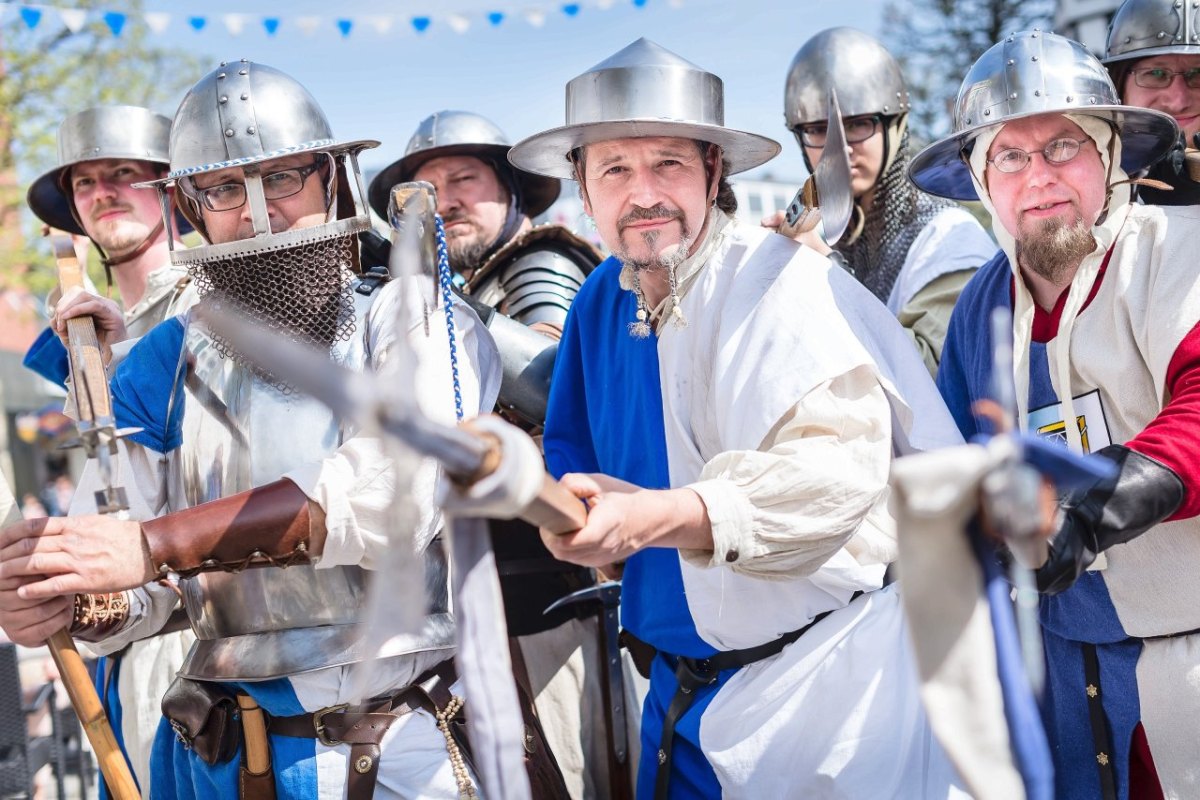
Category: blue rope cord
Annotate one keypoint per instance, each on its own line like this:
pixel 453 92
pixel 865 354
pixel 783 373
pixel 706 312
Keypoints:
pixel 444 279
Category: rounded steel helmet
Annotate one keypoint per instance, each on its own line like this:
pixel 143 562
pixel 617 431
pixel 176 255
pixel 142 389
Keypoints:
pixel 462 133
pixel 122 132
pixel 1143 28
pixel 643 90
pixel 242 114
pixel 1032 73
pixel 864 74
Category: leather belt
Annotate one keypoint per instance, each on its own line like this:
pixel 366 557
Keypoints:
pixel 364 726
pixel 694 673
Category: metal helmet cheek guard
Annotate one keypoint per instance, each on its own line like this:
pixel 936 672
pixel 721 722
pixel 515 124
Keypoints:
pixel 1027 74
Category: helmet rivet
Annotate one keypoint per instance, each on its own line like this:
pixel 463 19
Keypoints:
pixel 885 109
pixel 1179 3
pixel 229 131
pixel 1162 34
pixel 1092 100
pixel 1037 92
pixel 95 149
pixel 245 60
pixel 1034 58
pixel 245 96
pixel 1128 39
pixel 1011 62
pixel 250 130
pixel 987 112
pixel 1012 96
pixel 224 99
pixel 223 63
pixel 1070 99
pixel 220 76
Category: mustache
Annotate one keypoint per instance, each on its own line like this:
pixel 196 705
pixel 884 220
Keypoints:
pixel 99 209
pixel 454 216
pixel 642 214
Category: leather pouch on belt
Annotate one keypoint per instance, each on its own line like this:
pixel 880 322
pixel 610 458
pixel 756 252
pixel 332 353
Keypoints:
pixel 204 718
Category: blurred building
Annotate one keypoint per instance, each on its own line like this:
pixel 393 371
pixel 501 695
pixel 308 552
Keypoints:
pixel 1086 21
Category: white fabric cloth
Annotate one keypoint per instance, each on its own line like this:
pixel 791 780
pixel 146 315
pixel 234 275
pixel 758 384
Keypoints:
pixel 948 616
pixel 777 333
pixel 9 511
pixel 952 241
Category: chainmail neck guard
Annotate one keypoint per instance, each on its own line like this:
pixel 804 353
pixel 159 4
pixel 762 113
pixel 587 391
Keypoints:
pixel 898 214
pixel 297 284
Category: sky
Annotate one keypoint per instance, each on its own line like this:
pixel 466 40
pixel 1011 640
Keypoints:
pixel 381 86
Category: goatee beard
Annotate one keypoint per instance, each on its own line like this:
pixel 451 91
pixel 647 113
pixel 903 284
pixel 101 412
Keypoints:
pixel 669 258
pixel 465 257
pixel 1055 248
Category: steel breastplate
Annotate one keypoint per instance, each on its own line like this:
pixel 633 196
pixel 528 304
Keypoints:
pixel 240 432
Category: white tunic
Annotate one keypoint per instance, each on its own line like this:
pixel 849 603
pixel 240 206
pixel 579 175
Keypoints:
pixel 791 374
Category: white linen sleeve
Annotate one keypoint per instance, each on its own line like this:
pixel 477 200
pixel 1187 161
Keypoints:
pixel 784 509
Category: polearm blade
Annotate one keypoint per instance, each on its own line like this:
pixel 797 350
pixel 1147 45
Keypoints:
pixel 97 431
pixel 826 197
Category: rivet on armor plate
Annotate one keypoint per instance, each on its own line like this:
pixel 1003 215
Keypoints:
pixel 363 764
pixel 1162 34
pixel 1012 96
pixel 885 108
pixel 245 95
pixel 1092 100
pixel 245 60
pixel 1011 62
pixel 229 131
pixel 223 63
pixel 1034 58
pixel 223 99
pixel 250 130
pixel 987 112
pixel 220 76
pixel 1037 92
pixel 1070 99
pixel 243 72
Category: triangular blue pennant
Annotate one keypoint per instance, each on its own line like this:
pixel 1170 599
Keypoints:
pixel 420 23
pixel 571 9
pixel 197 23
pixel 270 25
pixel 344 25
pixel 115 21
pixel 495 17
pixel 32 16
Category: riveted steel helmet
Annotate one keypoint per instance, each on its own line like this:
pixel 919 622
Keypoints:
pixel 1027 74
pixel 864 74
pixel 643 90
pixel 1143 28
pixel 462 133
pixel 95 134
pixel 243 114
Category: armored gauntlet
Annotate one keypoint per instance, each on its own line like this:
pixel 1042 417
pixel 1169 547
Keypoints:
pixel 1143 494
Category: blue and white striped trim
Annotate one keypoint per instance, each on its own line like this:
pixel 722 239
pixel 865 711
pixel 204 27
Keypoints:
pixel 237 162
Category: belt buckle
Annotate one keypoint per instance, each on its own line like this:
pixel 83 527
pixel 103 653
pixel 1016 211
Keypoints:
pixel 694 673
pixel 319 723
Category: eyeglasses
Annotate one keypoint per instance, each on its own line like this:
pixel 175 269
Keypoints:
pixel 1059 151
pixel 1161 77
pixel 858 129
pixel 276 186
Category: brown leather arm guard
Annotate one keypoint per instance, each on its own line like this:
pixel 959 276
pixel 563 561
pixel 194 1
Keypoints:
pixel 264 527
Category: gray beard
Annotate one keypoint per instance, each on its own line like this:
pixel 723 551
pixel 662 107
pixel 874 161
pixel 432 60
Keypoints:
pixel 1055 249
pixel 666 261
pixel 465 258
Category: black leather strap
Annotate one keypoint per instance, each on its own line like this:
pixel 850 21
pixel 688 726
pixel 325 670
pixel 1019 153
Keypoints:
pixel 693 673
pixel 1099 720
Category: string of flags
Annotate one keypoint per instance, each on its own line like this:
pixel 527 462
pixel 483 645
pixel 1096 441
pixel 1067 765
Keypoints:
pixel 44 16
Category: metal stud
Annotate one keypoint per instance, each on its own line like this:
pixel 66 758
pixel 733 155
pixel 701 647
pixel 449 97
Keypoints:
pixel 1012 96
pixel 1037 92
pixel 987 112
pixel 1011 62
pixel 1035 58
pixel 363 765
pixel 1162 35
pixel 243 72
pixel 220 76
pixel 229 132
pixel 250 130
pixel 223 63
pixel 245 95
pixel 245 60
pixel 1070 99
pixel 224 99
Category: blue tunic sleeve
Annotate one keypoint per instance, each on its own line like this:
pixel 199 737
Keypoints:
pixel 142 384
pixel 48 357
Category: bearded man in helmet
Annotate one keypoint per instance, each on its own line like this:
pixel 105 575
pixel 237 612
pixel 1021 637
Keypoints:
pixel 238 476
pixel 512 269
pixel 1153 56
pixel 1106 359
pixel 102 153
pixel 742 397
pixel 914 252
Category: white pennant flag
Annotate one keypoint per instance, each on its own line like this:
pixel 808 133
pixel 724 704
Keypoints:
pixel 308 25
pixel 535 17
pixel 604 5
pixel 676 4
pixel 234 23
pixel 458 23
pixel 73 18
pixel 380 24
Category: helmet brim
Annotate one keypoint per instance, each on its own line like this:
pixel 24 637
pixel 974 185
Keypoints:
pixel 1146 136
pixel 538 191
pixel 548 153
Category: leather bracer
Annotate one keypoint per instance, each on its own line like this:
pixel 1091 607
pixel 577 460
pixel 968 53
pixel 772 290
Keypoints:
pixel 267 526
pixel 1115 511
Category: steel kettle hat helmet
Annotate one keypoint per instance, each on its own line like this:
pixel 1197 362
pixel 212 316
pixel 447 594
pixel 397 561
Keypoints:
pixel 95 134
pixel 1032 73
pixel 643 90
pixel 461 133
pixel 1143 28
pixel 866 76
pixel 242 114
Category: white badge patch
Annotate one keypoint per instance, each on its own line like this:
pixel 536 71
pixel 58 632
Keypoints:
pixel 1047 422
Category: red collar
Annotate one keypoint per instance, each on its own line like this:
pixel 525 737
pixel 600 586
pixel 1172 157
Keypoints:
pixel 1045 323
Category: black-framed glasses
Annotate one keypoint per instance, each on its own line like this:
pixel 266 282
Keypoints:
pixel 1059 151
pixel 1161 77
pixel 858 129
pixel 276 186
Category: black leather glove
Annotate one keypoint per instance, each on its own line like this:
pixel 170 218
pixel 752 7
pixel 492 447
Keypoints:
pixel 1115 511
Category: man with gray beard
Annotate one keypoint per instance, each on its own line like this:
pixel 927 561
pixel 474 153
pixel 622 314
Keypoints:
pixel 1106 357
